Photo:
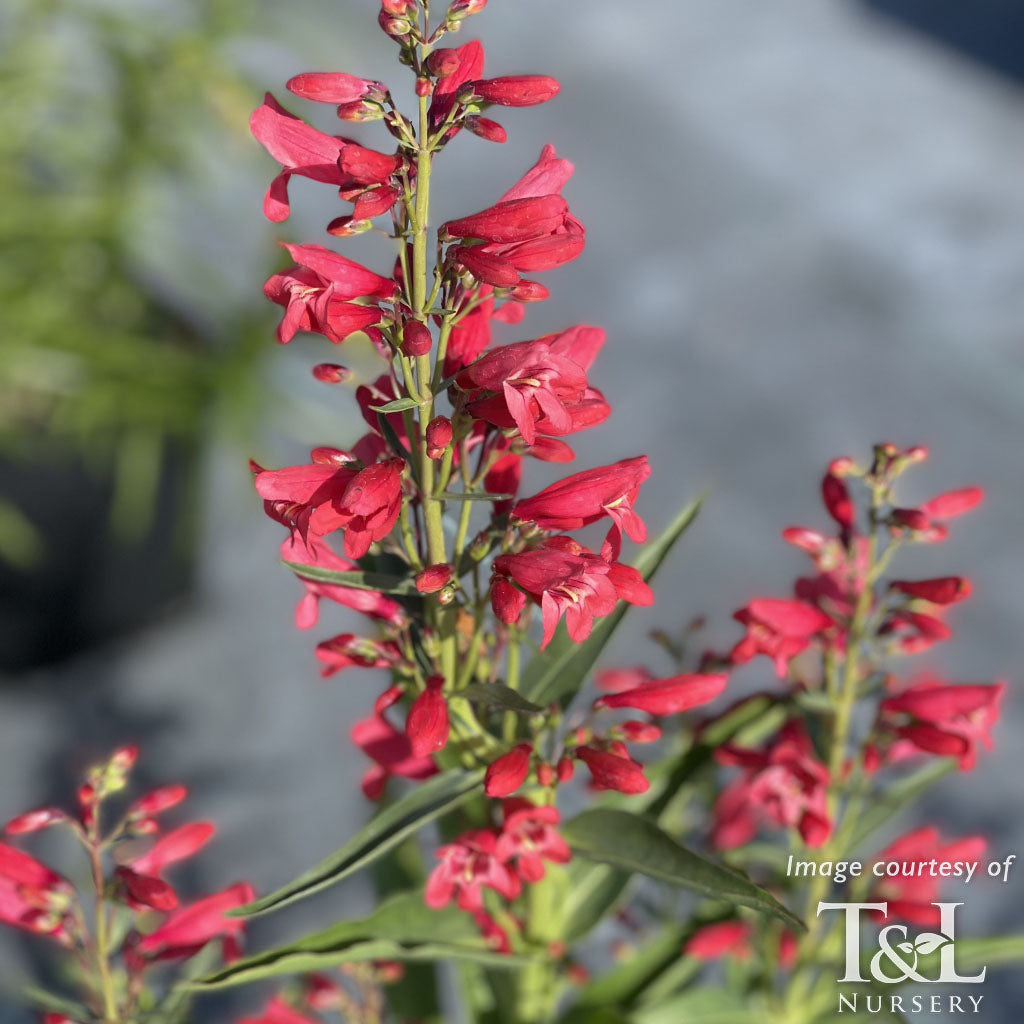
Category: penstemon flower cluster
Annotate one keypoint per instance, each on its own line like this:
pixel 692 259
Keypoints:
pixel 518 829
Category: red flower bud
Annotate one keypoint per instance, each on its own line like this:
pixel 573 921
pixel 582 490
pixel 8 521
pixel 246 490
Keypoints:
pixel 424 87
pixel 565 769
pixel 530 291
pixel 486 128
pixel 506 774
pixel 515 90
pixel 545 774
pixel 668 696
pixel 159 800
pixel 439 436
pixel 34 821
pixel 486 267
pixel 433 578
pixel 640 732
pixel 142 891
pixel 335 87
pixel 427 725
pixel 416 339
pixel 612 772
pixel 910 518
pixel 942 590
pixel 507 601
pixel 837 500
pixel 331 373
pixel 953 503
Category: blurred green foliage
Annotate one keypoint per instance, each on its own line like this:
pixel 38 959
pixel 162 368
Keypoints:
pixel 102 104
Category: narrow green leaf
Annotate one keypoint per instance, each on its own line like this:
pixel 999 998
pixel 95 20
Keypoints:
pixel 354 578
pixel 395 443
pixel 592 892
pixel 410 813
pixel 703 1006
pixel 557 673
pixel 473 496
pixel 398 405
pixel 402 928
pixel 498 695
pixel 632 843
pixel 898 796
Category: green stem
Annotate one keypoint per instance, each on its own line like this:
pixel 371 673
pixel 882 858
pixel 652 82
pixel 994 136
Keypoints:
pixel 110 1014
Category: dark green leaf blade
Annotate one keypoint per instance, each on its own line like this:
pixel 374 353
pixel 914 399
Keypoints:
pixel 632 843
pixel 498 695
pixel 556 673
pixel 402 928
pixel 411 812
pixel 473 496
pixel 354 578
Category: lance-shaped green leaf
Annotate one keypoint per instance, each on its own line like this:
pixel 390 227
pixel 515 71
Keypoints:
pixel 557 673
pixel 632 843
pixel 417 808
pixel 498 695
pixel 703 1006
pixel 398 405
pixel 402 928
pixel 354 578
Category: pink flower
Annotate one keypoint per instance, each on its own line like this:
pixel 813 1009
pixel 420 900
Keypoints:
pixel 454 67
pixel 528 838
pixel 335 87
pixel 586 497
pixel 467 866
pixel 943 718
pixel 668 696
pixel 33 897
pixel 784 782
pixel 506 774
pixel 178 844
pixel 913 891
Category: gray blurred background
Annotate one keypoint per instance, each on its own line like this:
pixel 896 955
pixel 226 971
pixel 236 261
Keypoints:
pixel 805 234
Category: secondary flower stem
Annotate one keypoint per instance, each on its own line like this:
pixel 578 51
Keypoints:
pixel 110 1015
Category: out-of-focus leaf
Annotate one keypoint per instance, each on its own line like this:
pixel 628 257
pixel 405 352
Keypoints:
pixel 498 695
pixel 417 808
pixel 354 578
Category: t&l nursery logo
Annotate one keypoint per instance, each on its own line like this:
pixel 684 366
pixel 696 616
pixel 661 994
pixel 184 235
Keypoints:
pixel 899 959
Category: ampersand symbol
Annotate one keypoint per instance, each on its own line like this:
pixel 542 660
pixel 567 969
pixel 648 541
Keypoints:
pixel 894 954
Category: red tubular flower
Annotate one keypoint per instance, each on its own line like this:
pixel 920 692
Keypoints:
pixel 565 578
pixel 526 385
pixel 943 718
pixel 277 1011
pixel 299 149
pixel 586 497
pixel 942 590
pixel 190 928
pixel 486 128
pixel 668 696
pixel 529 837
pixel 335 87
pixel 609 771
pixel 953 503
pixel 912 893
pixel 467 866
pixel 723 938
pixel 316 294
pixel 513 90
pixel 177 845
pixel 784 783
pixel 347 650
pixel 779 628
pixel 506 774
pixel 513 220
pixel 391 751
pixel 427 725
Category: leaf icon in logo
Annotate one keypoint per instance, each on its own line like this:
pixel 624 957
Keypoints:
pixel 906 947
pixel 928 942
